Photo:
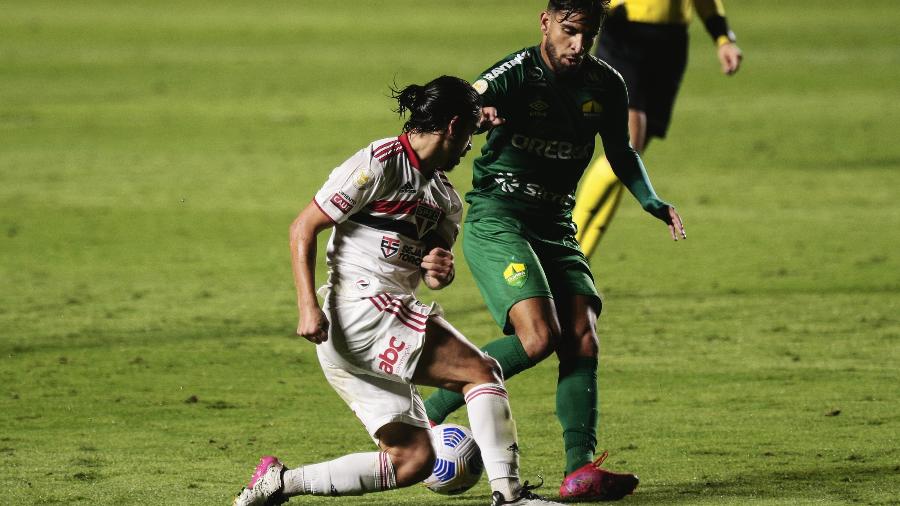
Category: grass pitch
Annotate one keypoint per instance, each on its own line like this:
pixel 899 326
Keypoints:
pixel 153 154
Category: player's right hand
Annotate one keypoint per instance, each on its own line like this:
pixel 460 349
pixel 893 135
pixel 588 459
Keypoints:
pixel 313 326
pixel 730 57
pixel 438 268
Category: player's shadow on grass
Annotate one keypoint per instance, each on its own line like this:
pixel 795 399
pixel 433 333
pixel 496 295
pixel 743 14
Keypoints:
pixel 845 483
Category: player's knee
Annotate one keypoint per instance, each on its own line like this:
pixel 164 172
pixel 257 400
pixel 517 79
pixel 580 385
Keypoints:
pixel 539 341
pixel 588 344
pixel 487 371
pixel 583 344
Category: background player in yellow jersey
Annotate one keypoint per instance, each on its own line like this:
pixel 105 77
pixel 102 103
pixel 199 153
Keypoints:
pixel 646 41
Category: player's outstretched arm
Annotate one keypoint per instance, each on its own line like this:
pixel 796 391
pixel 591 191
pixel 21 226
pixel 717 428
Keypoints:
pixel 306 227
pixel 713 14
pixel 627 165
pixel 439 268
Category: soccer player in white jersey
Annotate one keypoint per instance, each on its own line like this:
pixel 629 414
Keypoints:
pixel 394 217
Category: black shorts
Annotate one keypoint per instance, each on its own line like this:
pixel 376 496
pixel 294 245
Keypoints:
pixel 651 59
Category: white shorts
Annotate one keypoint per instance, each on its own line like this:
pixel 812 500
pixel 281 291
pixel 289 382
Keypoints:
pixel 371 354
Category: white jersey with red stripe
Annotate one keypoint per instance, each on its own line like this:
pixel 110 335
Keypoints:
pixel 387 215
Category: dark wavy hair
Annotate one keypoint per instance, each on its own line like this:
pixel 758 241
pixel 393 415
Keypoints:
pixel 432 106
pixel 592 9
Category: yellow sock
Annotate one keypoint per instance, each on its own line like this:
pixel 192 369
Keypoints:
pixel 596 204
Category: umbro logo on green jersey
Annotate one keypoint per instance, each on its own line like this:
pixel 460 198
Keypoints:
pixel 539 105
pixel 538 109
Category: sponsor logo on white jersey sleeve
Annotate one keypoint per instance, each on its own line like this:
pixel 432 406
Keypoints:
pixel 341 202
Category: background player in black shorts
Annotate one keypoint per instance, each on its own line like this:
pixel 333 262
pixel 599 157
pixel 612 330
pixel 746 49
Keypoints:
pixel 646 41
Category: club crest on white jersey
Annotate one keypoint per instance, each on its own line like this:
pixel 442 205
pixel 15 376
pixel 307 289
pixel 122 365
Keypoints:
pixel 387 213
pixel 389 246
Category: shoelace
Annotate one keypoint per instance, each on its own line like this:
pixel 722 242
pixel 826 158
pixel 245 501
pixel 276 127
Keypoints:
pixel 599 460
pixel 526 491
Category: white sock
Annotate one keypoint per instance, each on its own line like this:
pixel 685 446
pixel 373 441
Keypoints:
pixel 495 432
pixel 509 487
pixel 353 474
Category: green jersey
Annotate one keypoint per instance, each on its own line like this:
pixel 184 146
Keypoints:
pixel 530 165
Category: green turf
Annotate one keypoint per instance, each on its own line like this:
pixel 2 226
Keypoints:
pixel 152 156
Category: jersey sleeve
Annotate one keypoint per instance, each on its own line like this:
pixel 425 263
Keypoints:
pixel 712 12
pixel 614 130
pixel 623 159
pixel 707 8
pixel 350 187
pixel 495 83
pixel 448 229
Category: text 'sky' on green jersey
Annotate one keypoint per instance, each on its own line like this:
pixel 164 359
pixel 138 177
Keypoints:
pixel 530 165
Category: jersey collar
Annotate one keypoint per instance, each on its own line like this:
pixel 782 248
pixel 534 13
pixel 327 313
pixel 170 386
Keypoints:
pixel 538 58
pixel 413 158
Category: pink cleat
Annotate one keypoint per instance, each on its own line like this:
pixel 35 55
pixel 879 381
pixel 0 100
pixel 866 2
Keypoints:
pixel 265 487
pixel 592 483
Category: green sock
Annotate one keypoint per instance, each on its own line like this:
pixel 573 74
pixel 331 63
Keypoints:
pixel 508 351
pixel 576 408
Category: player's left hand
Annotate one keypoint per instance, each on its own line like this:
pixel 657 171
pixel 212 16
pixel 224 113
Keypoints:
pixel 438 267
pixel 730 57
pixel 676 226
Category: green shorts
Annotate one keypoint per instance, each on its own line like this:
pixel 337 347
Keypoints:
pixel 511 262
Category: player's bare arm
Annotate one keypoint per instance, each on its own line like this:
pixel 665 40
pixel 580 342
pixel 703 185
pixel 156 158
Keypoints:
pixel 438 268
pixel 312 323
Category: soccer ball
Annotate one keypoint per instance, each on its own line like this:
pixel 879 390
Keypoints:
pixel 457 466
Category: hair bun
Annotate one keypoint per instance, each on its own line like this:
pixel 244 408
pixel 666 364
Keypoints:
pixel 411 95
pixel 433 106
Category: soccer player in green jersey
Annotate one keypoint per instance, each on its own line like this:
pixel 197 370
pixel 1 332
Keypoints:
pixel 545 105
